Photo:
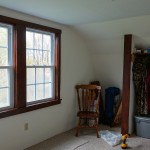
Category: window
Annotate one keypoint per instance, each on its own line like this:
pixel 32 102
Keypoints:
pixel 40 65
pixel 29 66
pixel 6 67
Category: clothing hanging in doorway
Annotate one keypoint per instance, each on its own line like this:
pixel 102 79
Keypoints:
pixel 141 79
pixel 148 90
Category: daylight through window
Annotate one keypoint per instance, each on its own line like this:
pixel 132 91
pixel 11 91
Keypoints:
pixel 40 65
pixel 6 70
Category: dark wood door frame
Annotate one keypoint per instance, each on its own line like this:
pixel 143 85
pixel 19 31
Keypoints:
pixel 126 83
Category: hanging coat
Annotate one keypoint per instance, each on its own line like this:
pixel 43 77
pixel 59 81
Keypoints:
pixel 148 89
pixel 139 77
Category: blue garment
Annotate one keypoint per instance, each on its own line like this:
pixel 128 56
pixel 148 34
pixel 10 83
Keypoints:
pixel 110 94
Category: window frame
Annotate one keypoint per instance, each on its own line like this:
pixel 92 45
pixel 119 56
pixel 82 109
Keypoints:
pixel 19 62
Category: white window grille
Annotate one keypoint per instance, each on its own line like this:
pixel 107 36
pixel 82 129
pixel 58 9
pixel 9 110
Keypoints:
pixel 40 65
pixel 6 67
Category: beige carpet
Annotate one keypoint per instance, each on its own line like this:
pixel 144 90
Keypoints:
pixel 87 140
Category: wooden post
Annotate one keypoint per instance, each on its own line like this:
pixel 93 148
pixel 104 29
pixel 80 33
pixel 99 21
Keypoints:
pixel 126 83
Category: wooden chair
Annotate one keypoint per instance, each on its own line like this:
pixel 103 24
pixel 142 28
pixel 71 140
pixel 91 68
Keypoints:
pixel 88 101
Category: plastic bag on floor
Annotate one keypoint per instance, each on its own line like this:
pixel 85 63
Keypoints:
pixel 112 138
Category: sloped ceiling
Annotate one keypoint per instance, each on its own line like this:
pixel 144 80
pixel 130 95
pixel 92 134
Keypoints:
pixel 95 20
pixel 107 34
pixel 73 12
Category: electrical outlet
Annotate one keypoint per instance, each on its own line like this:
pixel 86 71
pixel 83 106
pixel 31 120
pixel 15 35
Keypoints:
pixel 26 126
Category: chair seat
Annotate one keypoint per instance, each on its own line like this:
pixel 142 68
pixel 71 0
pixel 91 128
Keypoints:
pixel 87 114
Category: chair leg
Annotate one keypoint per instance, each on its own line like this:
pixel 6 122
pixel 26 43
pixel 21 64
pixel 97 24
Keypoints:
pixel 77 128
pixel 97 127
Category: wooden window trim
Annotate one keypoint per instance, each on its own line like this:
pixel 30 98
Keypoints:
pixel 19 57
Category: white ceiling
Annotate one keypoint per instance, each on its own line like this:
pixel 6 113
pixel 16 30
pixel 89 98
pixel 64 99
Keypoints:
pixel 100 23
pixel 75 12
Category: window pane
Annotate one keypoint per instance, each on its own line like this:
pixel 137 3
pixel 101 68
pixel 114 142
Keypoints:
pixel 46 58
pixel 30 93
pixel 30 75
pixel 6 71
pixel 37 41
pixel 48 90
pixel 3 78
pixel 39 75
pixel 38 58
pixel 29 58
pixel 39 91
pixel 3 37
pixel 46 42
pixel 48 75
pixel 4 100
pixel 3 56
pixel 29 39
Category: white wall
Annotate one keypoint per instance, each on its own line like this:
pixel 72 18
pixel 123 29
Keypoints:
pixel 108 63
pixel 131 105
pixel 76 67
pixel 105 41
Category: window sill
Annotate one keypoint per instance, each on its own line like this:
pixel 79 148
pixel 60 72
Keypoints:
pixel 28 108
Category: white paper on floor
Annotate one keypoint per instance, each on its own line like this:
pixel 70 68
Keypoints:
pixel 112 138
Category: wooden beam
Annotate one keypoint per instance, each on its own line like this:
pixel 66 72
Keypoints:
pixel 126 84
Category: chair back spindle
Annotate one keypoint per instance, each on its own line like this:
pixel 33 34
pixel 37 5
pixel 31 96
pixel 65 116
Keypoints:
pixel 88 97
